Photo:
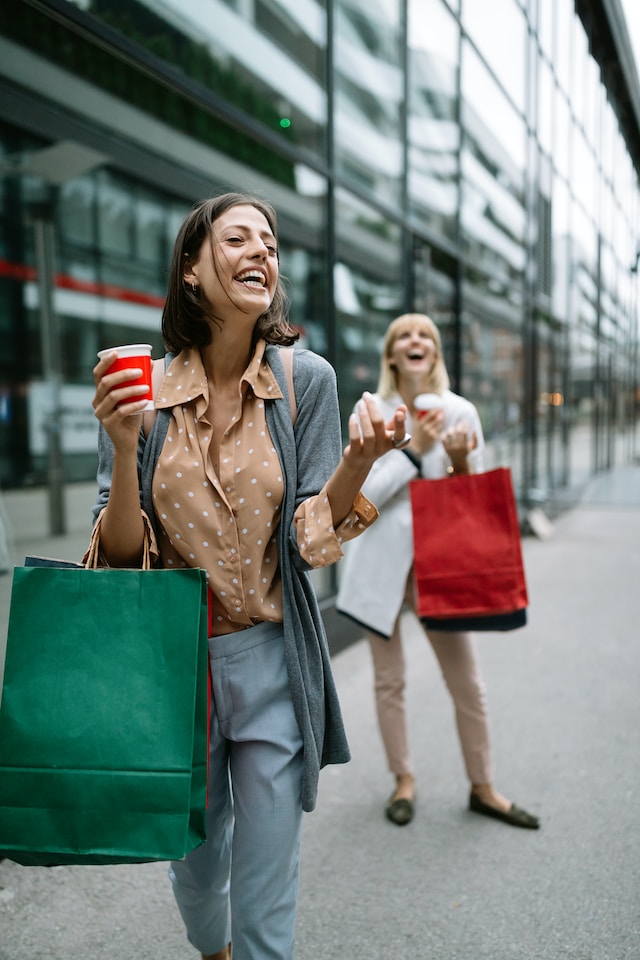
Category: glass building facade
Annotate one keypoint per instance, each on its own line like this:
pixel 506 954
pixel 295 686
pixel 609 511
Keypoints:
pixel 476 161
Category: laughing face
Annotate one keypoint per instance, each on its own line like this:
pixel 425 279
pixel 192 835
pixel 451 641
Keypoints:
pixel 238 268
pixel 413 352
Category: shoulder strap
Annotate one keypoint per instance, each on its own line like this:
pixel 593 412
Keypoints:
pixel 286 354
pixel 157 372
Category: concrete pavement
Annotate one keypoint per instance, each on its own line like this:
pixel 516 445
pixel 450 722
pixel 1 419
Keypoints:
pixel 563 696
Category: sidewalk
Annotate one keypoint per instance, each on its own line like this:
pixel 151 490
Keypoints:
pixel 563 696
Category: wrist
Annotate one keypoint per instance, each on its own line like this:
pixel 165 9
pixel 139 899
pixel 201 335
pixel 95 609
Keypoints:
pixel 458 469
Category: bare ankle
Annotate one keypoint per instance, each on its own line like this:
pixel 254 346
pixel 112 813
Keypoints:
pixel 405 786
pixel 224 954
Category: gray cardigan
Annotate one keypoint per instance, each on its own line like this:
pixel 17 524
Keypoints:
pixel 308 454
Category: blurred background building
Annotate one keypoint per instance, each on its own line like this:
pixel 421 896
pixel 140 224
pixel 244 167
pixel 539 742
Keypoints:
pixel 477 160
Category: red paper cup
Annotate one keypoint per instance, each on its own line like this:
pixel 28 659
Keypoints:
pixel 133 355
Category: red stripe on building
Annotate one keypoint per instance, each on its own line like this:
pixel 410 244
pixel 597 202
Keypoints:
pixel 18 271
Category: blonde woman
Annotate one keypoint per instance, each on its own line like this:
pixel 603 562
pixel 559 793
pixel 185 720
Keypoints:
pixel 376 574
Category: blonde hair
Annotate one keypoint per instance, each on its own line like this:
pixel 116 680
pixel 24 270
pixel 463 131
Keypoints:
pixel 438 380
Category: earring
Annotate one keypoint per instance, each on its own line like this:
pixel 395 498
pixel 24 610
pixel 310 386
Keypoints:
pixel 194 288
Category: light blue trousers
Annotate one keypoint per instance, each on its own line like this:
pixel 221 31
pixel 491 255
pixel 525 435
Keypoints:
pixel 242 884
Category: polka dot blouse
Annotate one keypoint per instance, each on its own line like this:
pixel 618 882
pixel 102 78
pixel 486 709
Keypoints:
pixel 226 522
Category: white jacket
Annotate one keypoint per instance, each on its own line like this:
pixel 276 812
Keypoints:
pixel 373 574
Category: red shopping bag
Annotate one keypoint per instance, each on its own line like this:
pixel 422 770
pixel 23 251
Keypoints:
pixel 468 567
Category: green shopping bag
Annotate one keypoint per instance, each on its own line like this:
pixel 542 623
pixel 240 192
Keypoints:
pixel 104 716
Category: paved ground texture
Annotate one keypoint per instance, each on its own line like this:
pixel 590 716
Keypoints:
pixel 563 695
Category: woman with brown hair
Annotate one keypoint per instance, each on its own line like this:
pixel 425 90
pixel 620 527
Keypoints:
pixel 221 478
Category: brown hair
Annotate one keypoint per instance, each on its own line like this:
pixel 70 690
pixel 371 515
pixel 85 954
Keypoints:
pixel 388 381
pixel 185 322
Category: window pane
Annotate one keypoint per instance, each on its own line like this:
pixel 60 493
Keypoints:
pixel 493 207
pixel 368 96
pixel 503 48
pixel 367 290
pixel 433 129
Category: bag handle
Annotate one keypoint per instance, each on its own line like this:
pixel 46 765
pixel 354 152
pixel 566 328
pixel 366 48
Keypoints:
pixel 92 561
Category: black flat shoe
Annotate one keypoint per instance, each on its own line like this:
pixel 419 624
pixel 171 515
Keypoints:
pixel 515 815
pixel 400 811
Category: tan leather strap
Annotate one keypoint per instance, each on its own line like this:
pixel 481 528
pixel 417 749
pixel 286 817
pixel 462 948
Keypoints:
pixel 148 418
pixel 286 354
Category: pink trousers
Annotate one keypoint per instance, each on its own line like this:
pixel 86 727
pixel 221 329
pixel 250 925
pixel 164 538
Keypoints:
pixel 457 655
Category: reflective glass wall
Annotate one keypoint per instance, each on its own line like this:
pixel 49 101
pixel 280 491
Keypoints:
pixel 423 155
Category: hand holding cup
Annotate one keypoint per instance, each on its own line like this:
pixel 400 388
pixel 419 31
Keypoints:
pixel 123 388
